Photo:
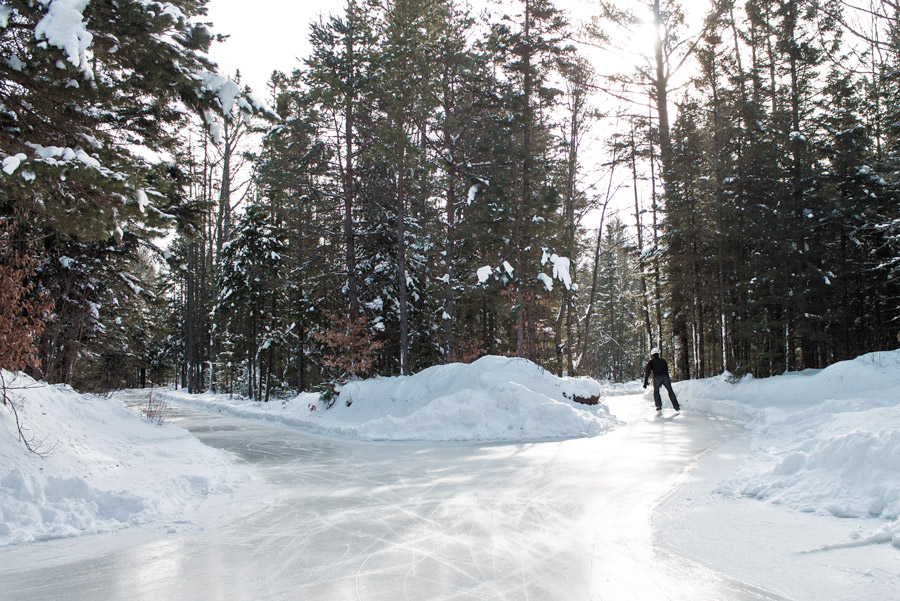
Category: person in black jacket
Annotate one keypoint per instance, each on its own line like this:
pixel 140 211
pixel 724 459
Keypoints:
pixel 660 370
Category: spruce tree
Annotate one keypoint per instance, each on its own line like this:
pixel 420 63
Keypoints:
pixel 252 297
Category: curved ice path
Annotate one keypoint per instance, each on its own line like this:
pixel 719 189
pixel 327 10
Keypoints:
pixel 337 520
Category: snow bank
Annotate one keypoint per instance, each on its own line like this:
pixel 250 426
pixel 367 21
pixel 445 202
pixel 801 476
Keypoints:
pixel 824 441
pixel 492 399
pixel 105 466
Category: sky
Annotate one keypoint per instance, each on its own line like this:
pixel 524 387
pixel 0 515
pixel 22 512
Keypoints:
pixel 264 36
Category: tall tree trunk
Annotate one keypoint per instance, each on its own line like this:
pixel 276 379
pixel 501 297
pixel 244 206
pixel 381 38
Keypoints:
pixel 301 316
pixel 657 275
pixel 797 160
pixel 449 252
pixel 719 171
pixel 574 134
pixel 206 340
pixel 401 266
pixel 449 102
pixel 592 299
pixel 524 217
pixel 224 225
pixel 349 192
pixel 268 372
pixel 660 87
pixel 557 338
pixel 642 268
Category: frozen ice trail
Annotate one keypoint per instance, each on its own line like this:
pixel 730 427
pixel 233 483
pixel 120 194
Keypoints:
pixel 332 520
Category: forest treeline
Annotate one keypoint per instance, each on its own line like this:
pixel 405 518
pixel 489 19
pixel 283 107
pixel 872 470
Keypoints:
pixel 434 183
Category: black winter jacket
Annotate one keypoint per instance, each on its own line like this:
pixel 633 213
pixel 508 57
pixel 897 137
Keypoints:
pixel 657 366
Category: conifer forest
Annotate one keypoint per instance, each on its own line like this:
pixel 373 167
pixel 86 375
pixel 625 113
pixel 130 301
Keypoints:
pixel 436 181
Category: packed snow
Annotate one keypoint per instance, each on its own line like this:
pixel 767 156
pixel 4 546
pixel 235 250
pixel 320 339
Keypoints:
pixel 560 270
pixel 492 399
pixel 226 90
pixel 546 280
pixel 12 162
pixel 101 466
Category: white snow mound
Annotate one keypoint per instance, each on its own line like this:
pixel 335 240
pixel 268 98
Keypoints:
pixel 492 399
pixel 824 441
pixel 104 466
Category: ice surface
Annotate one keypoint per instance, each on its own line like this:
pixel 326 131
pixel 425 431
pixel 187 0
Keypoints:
pixel 342 519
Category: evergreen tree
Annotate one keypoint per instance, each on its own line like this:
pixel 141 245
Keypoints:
pixel 617 355
pixel 251 299
pixel 529 47
pixel 291 173
pixel 405 96
pixel 461 158
pixel 86 95
pixel 338 74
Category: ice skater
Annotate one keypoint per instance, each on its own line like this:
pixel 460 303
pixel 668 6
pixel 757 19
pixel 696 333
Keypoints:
pixel 660 370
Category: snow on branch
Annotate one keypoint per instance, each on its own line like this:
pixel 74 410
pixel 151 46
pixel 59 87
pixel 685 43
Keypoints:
pixel 561 266
pixel 63 26
pixel 228 95
pixel 504 273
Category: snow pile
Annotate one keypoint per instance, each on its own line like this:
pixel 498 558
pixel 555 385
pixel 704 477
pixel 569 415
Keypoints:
pixel 824 441
pixel 105 467
pixel 492 399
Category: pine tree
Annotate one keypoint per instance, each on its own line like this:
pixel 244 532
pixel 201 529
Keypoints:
pixel 579 80
pixel 462 88
pixel 530 46
pixel 851 191
pixel 338 74
pixel 406 59
pixel 618 352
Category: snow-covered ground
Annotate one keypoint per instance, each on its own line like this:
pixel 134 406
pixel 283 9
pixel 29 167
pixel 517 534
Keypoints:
pixel 823 441
pixel 784 487
pixel 806 503
pixel 100 467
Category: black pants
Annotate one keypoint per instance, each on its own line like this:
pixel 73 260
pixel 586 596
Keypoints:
pixel 667 382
